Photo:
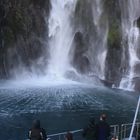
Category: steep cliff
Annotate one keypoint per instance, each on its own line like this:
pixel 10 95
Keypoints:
pixel 22 30
pixel 98 43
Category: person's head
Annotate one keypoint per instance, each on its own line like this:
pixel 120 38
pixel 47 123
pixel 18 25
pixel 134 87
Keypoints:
pixel 103 117
pixel 36 124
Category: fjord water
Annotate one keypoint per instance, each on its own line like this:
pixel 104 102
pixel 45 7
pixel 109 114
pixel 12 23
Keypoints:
pixel 62 104
pixel 80 40
pixel 61 108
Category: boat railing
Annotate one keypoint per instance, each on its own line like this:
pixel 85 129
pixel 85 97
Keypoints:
pixel 126 128
pixel 77 134
pixel 120 132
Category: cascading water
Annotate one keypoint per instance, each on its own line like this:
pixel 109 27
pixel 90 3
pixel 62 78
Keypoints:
pixel 97 11
pixel 98 50
pixel 61 37
pixel 131 33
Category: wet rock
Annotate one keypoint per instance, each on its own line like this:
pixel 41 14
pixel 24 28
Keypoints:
pixel 80 62
pixel 136 82
pixel 114 55
pixel 138 22
pixel 80 46
pixel 137 68
pixel 113 64
pixel 107 83
pixel 23 28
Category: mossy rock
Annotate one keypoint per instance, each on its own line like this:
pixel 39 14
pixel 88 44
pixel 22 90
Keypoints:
pixel 115 16
pixel 83 15
pixel 114 36
pixel 80 46
pixel 9 37
pixel 15 20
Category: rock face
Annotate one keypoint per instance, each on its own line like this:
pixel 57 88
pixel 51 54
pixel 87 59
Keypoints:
pixel 85 29
pixel 138 22
pixel 90 21
pixel 114 53
pixel 22 33
pixel 81 62
pixel 137 84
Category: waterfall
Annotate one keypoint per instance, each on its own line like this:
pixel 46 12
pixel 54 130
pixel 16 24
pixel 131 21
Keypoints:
pixel 97 11
pixel 131 35
pixel 61 37
pixel 98 50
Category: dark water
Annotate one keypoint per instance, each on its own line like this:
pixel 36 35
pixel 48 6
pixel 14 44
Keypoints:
pixel 61 108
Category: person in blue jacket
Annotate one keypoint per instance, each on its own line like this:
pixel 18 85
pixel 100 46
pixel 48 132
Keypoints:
pixel 102 129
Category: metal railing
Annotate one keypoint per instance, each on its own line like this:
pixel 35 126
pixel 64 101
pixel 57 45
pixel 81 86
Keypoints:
pixel 77 134
pixel 115 130
pixel 61 136
pixel 120 132
pixel 126 128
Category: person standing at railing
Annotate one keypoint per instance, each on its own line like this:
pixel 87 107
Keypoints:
pixel 36 132
pixel 102 131
pixel 89 131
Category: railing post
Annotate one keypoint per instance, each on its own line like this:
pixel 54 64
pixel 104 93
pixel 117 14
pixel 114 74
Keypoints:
pixel 135 118
pixel 125 131
pixel 59 137
pixel 115 131
pixel 121 132
pixel 137 131
pixel 118 131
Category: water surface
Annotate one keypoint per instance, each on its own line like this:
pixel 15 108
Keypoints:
pixel 61 108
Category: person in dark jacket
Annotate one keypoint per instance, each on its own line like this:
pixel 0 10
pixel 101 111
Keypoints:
pixel 102 131
pixel 36 132
pixel 89 131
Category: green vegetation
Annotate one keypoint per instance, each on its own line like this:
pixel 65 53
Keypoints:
pixel 14 25
pixel 114 18
pixel 23 19
pixel 114 36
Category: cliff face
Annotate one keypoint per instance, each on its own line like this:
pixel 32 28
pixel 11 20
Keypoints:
pixel 22 30
pixel 114 54
pixel 93 29
pixel 99 46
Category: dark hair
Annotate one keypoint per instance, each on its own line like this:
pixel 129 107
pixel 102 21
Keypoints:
pixel 36 124
pixel 103 117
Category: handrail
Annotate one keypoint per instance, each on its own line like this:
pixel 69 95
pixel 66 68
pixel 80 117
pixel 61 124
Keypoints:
pixel 118 130
pixel 127 124
pixel 57 134
pixel 75 131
